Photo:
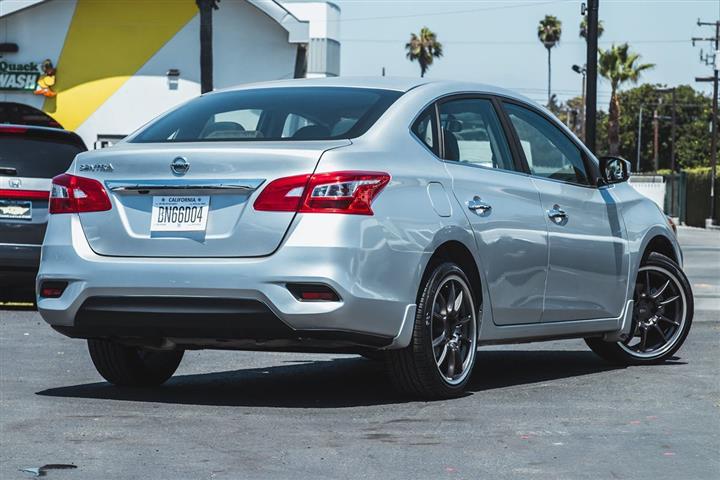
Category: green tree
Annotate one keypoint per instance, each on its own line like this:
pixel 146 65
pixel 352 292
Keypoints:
pixel 584 28
pixel 618 65
pixel 549 32
pixel 423 48
pixel 693 113
pixel 206 8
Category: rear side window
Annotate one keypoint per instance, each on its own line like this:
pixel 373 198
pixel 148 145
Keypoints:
pixel 35 157
pixel 424 129
pixel 283 113
pixel 472 134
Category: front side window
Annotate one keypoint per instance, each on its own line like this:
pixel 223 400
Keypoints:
pixel 472 134
pixel 549 152
pixel 282 113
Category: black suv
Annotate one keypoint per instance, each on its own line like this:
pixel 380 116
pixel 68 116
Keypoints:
pixel 29 157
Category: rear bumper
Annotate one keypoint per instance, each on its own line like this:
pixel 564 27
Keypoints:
pixel 241 301
pixel 18 264
pixel 190 320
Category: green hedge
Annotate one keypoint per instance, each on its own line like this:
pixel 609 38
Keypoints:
pixel 698 198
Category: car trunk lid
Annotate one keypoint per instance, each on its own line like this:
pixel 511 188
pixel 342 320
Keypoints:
pixel 226 178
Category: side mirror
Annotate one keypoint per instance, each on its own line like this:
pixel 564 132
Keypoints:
pixel 614 169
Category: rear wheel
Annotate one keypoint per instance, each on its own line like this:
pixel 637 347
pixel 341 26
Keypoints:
pixel 661 319
pixel 124 365
pixel 441 355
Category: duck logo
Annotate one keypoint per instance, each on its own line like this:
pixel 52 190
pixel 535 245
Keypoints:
pixel 46 80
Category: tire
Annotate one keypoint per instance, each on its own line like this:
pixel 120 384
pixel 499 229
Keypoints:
pixel 416 370
pixel 128 366
pixel 663 321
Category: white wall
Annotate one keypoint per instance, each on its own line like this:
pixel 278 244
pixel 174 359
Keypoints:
pixel 147 94
pixel 249 46
pixel 323 17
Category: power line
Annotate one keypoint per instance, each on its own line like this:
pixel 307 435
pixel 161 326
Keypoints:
pixel 453 12
pixel 517 42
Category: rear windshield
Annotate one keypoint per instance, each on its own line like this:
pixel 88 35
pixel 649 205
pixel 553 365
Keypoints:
pixel 20 114
pixel 35 157
pixel 292 113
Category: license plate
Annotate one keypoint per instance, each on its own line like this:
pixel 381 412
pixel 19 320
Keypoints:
pixel 16 209
pixel 179 214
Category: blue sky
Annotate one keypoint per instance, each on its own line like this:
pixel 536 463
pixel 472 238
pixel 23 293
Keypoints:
pixel 496 41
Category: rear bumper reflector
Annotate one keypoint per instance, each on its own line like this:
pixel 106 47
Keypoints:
pixel 52 289
pixel 313 292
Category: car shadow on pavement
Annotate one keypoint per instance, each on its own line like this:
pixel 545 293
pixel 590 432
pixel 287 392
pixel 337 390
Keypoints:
pixel 338 382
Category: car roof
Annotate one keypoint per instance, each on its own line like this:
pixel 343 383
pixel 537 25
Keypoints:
pixel 400 84
pixel 45 132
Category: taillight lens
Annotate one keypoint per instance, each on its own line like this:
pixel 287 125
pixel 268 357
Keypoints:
pixel 335 192
pixel 71 194
pixel 24 194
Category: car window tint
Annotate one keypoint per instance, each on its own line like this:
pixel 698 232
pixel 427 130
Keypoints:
pixel 281 113
pixel 293 123
pixel 36 157
pixel 424 129
pixel 232 123
pixel 472 134
pixel 549 152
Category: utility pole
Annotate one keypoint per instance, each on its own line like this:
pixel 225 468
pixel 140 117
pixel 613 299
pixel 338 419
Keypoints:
pixel 711 59
pixel 639 140
pixel 656 139
pixel 672 119
pixel 591 79
pixel 582 71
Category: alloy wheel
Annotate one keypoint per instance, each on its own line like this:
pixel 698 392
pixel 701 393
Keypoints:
pixel 659 313
pixel 453 329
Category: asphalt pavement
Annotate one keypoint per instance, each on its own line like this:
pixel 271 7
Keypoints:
pixel 537 411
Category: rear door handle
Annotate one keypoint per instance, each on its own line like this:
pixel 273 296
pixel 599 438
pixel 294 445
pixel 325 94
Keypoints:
pixel 557 214
pixel 478 206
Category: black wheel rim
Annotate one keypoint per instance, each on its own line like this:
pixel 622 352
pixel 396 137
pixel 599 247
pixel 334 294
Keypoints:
pixel 659 313
pixel 453 330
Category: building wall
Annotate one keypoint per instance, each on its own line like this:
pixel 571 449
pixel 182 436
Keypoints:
pixel 40 32
pixel 112 61
pixel 324 46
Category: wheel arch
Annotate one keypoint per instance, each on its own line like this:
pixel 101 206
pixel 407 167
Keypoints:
pixel 457 252
pixel 660 243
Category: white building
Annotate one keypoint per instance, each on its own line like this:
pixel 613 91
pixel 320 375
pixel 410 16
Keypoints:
pixel 119 64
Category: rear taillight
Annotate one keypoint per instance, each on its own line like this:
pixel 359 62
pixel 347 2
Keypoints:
pixel 71 194
pixel 12 129
pixel 335 192
pixel 24 194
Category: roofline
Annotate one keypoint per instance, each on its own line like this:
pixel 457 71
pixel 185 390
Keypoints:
pixel 298 30
pixel 34 3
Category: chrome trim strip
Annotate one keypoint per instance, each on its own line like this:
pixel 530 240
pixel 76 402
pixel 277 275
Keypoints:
pixel 21 245
pixel 245 186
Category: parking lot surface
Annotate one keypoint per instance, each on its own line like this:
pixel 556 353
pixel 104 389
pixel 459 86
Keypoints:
pixel 536 411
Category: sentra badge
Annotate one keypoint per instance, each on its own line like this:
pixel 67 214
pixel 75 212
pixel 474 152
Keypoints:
pixel 96 167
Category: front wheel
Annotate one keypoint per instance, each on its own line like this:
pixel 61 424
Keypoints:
pixel 441 354
pixel 661 318
pixel 129 366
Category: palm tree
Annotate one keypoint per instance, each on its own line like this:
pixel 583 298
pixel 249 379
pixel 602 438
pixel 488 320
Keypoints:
pixel 549 31
pixel 423 48
pixel 618 65
pixel 584 27
pixel 206 48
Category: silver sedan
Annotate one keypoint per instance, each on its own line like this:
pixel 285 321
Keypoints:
pixel 406 220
